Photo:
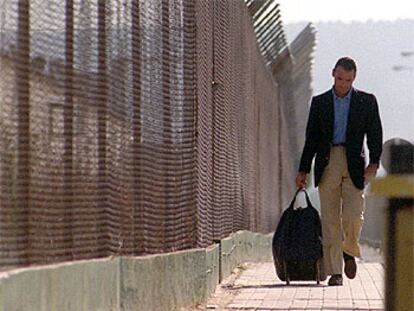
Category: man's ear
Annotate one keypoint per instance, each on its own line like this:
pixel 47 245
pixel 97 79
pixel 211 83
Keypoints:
pixel 333 72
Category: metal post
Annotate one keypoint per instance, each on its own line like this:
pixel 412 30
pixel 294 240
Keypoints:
pixel 399 188
pixel 139 236
pixel 167 113
pixel 102 115
pixel 68 126
pixel 23 133
pixel 399 257
pixel 190 98
pixel 215 219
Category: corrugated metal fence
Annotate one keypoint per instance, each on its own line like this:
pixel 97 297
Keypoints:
pixel 134 127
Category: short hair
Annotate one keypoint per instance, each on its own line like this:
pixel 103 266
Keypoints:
pixel 347 63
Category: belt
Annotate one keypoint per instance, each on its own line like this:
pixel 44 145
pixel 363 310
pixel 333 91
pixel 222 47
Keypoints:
pixel 337 145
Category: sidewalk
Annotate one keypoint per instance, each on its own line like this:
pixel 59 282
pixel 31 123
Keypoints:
pixel 256 287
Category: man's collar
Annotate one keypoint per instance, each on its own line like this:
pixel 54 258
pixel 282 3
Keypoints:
pixel 347 96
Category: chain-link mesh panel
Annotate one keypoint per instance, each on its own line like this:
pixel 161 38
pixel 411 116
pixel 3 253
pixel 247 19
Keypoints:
pixel 224 135
pixel 50 215
pixel 204 54
pixel 167 116
pixel 240 178
pixel 134 127
pixel 98 129
pixel 14 148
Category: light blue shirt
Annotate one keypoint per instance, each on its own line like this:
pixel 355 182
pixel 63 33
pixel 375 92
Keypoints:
pixel 341 111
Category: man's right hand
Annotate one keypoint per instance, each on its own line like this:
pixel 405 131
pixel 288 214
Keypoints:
pixel 301 180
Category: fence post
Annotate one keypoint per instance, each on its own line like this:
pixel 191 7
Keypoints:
pixel 190 85
pixel 23 133
pixel 102 116
pixel 399 188
pixel 68 124
pixel 166 244
pixel 139 239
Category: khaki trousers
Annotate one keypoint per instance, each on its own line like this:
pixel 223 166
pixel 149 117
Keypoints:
pixel 342 212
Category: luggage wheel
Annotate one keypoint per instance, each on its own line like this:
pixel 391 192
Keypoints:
pixel 286 273
pixel 318 273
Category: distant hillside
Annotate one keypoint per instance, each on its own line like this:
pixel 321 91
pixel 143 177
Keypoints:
pixel 386 67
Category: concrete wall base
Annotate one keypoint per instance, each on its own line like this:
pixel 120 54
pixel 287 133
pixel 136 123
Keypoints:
pixel 147 283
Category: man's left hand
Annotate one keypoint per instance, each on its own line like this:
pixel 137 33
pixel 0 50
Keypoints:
pixel 370 172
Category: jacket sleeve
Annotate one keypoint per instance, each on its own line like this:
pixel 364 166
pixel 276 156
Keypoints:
pixel 374 133
pixel 311 139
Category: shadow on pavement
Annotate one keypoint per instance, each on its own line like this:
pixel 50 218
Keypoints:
pixel 238 287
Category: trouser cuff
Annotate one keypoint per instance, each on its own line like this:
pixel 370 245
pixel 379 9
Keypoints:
pixel 352 251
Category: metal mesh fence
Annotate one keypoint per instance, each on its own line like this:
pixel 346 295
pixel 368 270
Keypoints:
pixel 134 127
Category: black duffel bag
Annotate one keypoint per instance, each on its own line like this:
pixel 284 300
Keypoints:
pixel 297 243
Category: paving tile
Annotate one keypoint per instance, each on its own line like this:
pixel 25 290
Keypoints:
pixel 259 289
pixel 267 304
pixel 297 303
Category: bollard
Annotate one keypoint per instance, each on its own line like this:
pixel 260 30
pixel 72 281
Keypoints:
pixel 398 187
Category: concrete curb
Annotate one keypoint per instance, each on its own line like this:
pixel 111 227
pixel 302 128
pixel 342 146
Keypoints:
pixel 243 246
pixel 163 282
pixel 82 285
pixel 148 283
pixel 212 269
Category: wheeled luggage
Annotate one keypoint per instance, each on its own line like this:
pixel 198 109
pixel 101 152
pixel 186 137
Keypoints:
pixel 297 244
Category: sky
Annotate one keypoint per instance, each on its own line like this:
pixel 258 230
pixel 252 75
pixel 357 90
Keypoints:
pixel 294 11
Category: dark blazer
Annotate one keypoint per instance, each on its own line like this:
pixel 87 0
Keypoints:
pixel 363 119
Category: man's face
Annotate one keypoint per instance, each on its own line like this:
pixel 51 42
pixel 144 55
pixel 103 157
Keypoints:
pixel 343 80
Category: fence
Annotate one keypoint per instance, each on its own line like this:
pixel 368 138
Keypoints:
pixel 134 127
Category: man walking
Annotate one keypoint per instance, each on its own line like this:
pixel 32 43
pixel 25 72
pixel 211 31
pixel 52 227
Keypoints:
pixel 339 120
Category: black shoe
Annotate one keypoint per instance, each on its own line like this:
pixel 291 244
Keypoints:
pixel 350 266
pixel 335 280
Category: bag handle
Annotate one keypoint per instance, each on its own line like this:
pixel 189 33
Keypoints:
pixel 306 194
